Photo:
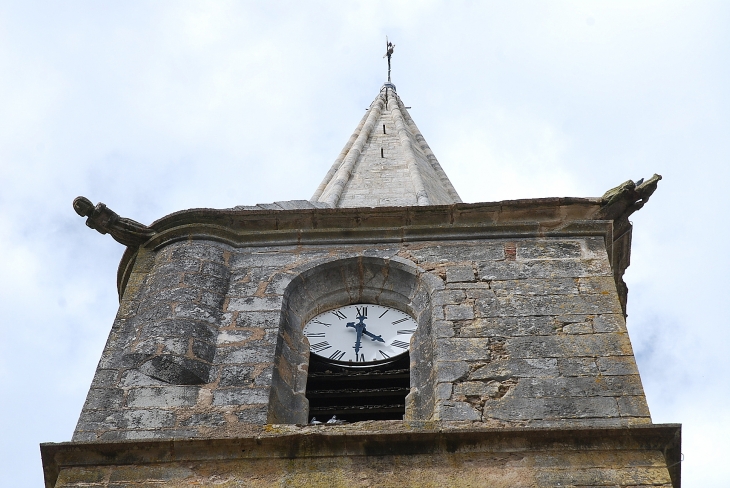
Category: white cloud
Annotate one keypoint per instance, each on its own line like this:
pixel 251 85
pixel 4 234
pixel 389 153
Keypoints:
pixel 156 107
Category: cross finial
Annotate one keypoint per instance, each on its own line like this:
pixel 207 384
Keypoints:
pixel 389 46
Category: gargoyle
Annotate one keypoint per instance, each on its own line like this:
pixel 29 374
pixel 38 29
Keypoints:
pixel 620 202
pixel 617 204
pixel 104 220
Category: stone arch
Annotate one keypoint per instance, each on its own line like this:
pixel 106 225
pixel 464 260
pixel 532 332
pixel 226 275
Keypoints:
pixel 393 282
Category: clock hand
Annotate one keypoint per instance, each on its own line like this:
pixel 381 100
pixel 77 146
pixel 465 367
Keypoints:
pixel 359 328
pixel 373 336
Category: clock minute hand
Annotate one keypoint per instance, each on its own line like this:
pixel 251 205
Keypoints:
pixel 359 327
pixel 373 336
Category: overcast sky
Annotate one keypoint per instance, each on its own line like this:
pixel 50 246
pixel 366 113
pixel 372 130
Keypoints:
pixel 162 106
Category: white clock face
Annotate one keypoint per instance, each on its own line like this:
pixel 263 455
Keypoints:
pixel 360 333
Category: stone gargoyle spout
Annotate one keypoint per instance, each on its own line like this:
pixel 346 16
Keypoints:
pixel 627 198
pixel 104 220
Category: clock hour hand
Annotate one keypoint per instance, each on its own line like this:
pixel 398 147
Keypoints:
pixel 373 336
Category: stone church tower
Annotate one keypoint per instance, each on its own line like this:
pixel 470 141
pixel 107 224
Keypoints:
pixel 382 333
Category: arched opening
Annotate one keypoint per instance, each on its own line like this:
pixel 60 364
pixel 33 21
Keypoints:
pixel 394 282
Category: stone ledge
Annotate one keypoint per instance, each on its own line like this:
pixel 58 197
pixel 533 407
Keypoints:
pixel 368 439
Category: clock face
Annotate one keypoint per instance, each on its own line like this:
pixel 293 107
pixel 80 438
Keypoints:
pixel 360 333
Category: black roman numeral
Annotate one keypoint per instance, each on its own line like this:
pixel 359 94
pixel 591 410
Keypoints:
pixel 385 356
pixel 320 323
pixel 337 355
pixel 399 321
pixel 407 331
pixel 339 314
pixel 318 334
pixel 360 358
pixel 381 315
pixel 401 344
pixel 362 312
pixel 320 346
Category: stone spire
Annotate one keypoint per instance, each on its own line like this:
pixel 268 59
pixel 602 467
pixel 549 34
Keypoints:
pixel 386 163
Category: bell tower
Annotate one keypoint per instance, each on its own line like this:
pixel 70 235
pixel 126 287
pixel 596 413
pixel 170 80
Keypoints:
pixel 437 343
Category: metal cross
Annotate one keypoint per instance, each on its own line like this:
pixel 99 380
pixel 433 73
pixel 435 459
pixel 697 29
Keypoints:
pixel 389 46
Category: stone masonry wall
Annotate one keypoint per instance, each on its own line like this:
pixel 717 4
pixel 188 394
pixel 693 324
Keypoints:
pixel 525 332
pixel 531 333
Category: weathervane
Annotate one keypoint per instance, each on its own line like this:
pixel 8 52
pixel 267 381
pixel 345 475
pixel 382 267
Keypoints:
pixel 389 46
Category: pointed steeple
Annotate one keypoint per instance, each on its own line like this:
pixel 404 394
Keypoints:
pixel 386 162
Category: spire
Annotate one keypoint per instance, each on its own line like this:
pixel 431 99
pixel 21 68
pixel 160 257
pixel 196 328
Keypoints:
pixel 386 162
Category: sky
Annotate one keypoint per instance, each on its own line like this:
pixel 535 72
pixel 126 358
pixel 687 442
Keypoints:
pixel 154 107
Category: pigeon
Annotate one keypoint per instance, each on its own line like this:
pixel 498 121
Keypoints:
pixel 314 421
pixel 335 421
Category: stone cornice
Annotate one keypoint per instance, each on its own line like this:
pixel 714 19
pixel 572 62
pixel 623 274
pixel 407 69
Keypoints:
pixel 508 219
pixel 365 439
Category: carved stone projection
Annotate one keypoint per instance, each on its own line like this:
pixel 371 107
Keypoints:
pixel 617 205
pixel 104 220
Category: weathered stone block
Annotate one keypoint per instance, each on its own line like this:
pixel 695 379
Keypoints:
pixel 249 353
pixel 99 420
pixel 477 389
pixel 604 285
pixel 458 411
pixel 463 349
pixel 134 377
pixel 104 399
pixel 176 370
pixel 267 320
pixel 512 270
pixel 450 371
pixel 148 419
pixel 443 391
pixel 264 378
pixel 203 250
pixel 579 386
pixel 557 286
pixel 520 368
pixel 447 297
pixel 511 408
pixel 548 249
pixel 204 420
pixel 455 274
pixel 568 346
pixel 517 305
pixel 508 326
pixel 459 312
pixel 119 435
pixel 236 376
pixel 214 269
pixel 443 329
pixel 254 304
pixel 633 406
pixel 577 366
pixel 264 257
pixel 79 476
pixel 162 397
pixel 181 328
pixel 477 251
pixel 105 378
pixel 609 323
pixel 206 282
pixel 240 396
pixel 612 365
pixel 252 415
pixel 234 336
pixel 578 328
pixel 194 311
